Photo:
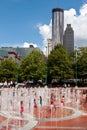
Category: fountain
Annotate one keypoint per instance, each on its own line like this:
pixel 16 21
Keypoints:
pixel 66 102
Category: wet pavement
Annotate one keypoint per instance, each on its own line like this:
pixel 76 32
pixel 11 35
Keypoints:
pixel 65 117
pixel 78 122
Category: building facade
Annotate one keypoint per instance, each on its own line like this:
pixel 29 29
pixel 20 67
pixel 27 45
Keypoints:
pixel 21 51
pixel 57 26
pixel 49 45
pixel 68 40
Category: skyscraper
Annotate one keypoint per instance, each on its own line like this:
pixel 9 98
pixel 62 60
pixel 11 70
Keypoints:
pixel 69 39
pixel 57 26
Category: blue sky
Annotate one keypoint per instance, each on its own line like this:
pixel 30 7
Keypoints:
pixel 25 21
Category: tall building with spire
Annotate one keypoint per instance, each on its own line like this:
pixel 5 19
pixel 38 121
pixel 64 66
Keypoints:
pixel 68 40
pixel 57 26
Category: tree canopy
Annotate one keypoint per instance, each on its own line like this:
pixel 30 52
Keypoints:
pixel 59 66
pixel 8 70
pixel 33 66
pixel 82 63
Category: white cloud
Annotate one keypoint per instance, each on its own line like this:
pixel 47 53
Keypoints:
pixel 78 23
pixel 26 44
pixel 45 31
pixel 83 10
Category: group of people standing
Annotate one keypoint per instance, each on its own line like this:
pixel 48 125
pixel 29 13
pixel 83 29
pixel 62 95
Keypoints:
pixel 35 105
pixel 38 100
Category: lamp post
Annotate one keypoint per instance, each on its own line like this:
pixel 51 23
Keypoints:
pixel 17 74
pixel 46 66
pixel 76 66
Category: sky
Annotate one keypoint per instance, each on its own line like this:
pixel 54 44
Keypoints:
pixel 24 22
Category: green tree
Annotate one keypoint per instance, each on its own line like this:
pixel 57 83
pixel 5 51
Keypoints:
pixel 59 66
pixel 7 70
pixel 72 59
pixel 33 66
pixel 82 63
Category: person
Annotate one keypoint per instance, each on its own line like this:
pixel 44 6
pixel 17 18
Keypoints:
pixel 55 104
pixel 13 93
pixel 86 98
pixel 21 108
pixel 52 98
pixel 35 104
pixel 40 100
pixel 62 101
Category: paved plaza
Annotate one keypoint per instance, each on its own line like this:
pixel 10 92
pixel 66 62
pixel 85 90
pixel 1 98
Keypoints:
pixel 68 113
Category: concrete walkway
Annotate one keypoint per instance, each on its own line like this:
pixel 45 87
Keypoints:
pixel 76 121
pixel 15 122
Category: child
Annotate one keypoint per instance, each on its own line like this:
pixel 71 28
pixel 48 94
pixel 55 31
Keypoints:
pixel 35 104
pixel 55 104
pixel 62 101
pixel 21 108
pixel 40 100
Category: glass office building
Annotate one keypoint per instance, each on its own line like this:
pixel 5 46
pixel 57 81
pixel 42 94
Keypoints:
pixel 69 39
pixel 57 26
